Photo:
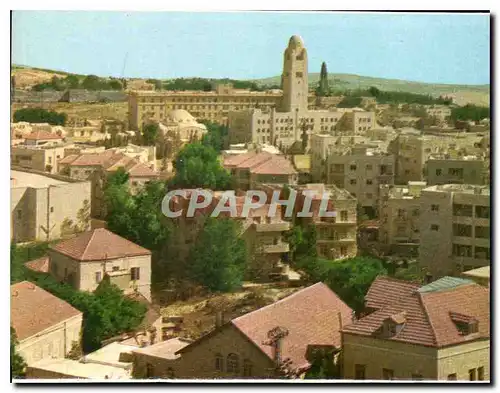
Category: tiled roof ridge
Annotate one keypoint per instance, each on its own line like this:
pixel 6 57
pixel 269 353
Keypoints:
pixel 394 279
pixel 88 243
pixel 426 314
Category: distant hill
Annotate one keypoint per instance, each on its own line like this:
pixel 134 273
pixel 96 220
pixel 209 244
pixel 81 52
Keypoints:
pixel 462 94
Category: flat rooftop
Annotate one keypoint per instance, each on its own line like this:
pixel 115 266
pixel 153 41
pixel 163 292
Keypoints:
pixel 75 369
pixel 461 189
pixel 110 355
pixel 165 349
pixel 481 272
pixel 20 179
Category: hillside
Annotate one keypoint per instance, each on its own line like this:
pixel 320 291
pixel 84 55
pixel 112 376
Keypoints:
pixel 477 94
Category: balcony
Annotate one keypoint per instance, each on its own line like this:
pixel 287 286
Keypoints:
pixel 272 227
pixel 275 248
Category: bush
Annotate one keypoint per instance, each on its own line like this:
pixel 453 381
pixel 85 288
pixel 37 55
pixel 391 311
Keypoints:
pixel 40 115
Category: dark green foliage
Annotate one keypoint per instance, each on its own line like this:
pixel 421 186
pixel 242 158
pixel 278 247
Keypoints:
pixel 323 366
pixel 216 136
pixel 198 166
pixel 350 102
pixel 150 134
pixel 17 363
pixel 323 88
pixel 20 255
pixel 156 82
pixel 470 112
pixel 391 97
pixel 204 84
pixel 40 115
pixel 217 260
pixel 348 278
pixel 59 84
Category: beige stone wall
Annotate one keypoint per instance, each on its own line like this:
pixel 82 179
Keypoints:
pixel 404 359
pixel 199 361
pixel 54 342
pixel 39 159
pixel 85 272
pixel 459 359
pixel 443 171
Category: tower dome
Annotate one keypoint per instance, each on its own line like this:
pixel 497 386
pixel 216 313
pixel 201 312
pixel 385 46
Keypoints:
pixel 296 41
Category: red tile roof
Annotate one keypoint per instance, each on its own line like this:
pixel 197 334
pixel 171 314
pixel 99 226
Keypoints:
pixel 33 309
pixel 427 315
pixel 261 163
pixel 311 317
pixel 386 290
pixel 99 244
pixel 277 165
pixel 39 265
pixel 142 170
pixel 42 135
pixel 69 159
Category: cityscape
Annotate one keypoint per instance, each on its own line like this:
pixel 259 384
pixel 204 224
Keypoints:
pixel 313 225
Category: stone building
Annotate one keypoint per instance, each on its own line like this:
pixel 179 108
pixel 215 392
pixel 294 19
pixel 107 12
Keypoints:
pixel 47 207
pixel 445 169
pixel 40 158
pixel 147 106
pixel 46 326
pixel 84 261
pixel 291 122
pixel 399 224
pixel 359 169
pixel 440 331
pixel 42 138
pixel 455 229
pixel 285 335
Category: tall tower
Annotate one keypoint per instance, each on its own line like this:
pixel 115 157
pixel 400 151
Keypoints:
pixel 294 78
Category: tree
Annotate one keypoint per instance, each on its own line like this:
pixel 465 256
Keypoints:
pixel 40 115
pixel 216 135
pixel 17 363
pixel 218 257
pixel 150 134
pixel 374 92
pixel 92 82
pixel 323 88
pixel 198 166
pixel 72 82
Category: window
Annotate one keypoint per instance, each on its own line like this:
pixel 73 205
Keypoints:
pixel 452 377
pixel 462 210
pixel 232 363
pixel 387 373
pixel 482 232
pixel 352 181
pixel 170 373
pixel 359 371
pixel 369 167
pixel 482 212
pixel 435 208
pixel 352 167
pixel 472 374
pixel 416 212
pixel 481 253
pixel 434 227
pixel 247 368
pixel 460 250
pixel 116 268
pixel 369 182
pixel 343 215
pixel 98 277
pixel 135 273
pixel 480 373
pixel 52 209
pixel 462 230
pixel 219 362
pixel 438 172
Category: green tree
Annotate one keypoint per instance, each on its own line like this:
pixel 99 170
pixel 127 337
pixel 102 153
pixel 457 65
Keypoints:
pixel 470 112
pixel 323 88
pixel 150 134
pixel 198 166
pixel 92 82
pixel 72 82
pixel 40 115
pixel 217 260
pixel 216 135
pixel 17 363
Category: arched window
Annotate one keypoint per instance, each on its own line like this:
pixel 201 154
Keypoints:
pixel 247 368
pixel 219 362
pixel 232 365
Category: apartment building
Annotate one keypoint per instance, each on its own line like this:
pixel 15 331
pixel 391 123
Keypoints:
pixel 359 169
pixel 84 261
pixel 254 167
pixel 446 169
pixel 46 326
pixel 455 229
pixel 399 224
pixel 263 235
pixel 412 150
pixel 278 340
pixel 46 207
pixel 336 236
pixel 147 106
pixel 440 331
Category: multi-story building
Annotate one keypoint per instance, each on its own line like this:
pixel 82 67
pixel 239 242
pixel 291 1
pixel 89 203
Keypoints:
pixel 443 169
pixel 291 122
pixel 147 106
pixel 253 168
pixel 359 169
pixel 84 261
pixel 336 236
pixel 46 326
pixel 42 138
pixel 40 158
pixel 46 207
pixel 440 331
pixel 455 229
pixel 399 224
pixel 276 341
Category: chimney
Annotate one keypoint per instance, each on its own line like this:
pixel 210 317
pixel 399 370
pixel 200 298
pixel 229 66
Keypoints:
pixel 278 350
pixel 219 319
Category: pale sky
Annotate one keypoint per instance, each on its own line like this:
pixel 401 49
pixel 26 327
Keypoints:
pixel 435 48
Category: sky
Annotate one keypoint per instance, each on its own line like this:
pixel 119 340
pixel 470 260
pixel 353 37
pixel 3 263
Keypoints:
pixel 433 48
